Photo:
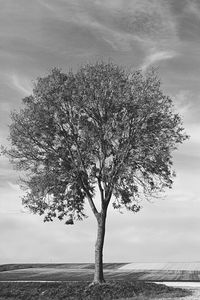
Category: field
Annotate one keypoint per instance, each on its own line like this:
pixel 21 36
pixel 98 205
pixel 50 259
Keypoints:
pixel 176 271
pixel 113 271
pixel 70 281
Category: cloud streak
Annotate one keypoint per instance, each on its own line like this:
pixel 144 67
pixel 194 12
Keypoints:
pixel 120 23
pixel 157 56
pixel 21 84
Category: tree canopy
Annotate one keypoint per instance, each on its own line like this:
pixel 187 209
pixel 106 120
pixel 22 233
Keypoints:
pixel 99 128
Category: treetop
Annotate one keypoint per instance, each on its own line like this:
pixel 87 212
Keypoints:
pixel 99 128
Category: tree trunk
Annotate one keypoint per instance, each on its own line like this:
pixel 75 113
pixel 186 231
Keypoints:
pixel 101 221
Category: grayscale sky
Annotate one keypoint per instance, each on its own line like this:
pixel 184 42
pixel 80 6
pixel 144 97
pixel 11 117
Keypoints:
pixel 36 35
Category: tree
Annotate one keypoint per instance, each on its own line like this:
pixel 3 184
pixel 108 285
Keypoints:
pixel 100 128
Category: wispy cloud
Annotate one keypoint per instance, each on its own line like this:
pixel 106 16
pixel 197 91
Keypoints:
pixel 120 23
pixel 21 84
pixel 187 103
pixel 157 56
pixel 183 104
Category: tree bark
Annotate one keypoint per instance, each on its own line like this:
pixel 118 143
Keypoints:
pixel 98 274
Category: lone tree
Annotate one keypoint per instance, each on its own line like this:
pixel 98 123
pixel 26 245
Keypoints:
pixel 98 129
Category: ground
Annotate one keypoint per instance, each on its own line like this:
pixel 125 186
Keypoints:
pixel 83 291
pixel 122 282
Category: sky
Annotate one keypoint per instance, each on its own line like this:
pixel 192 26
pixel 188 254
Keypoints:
pixel 37 35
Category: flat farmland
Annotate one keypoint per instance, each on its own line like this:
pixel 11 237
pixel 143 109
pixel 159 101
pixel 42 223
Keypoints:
pixel 173 271
pixel 190 266
pixel 113 271
pixel 64 272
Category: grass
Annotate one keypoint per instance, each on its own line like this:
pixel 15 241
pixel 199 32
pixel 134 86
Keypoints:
pixel 82 291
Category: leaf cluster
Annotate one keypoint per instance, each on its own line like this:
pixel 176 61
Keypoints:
pixel 98 128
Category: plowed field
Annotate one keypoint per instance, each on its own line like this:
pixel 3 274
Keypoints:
pixel 76 272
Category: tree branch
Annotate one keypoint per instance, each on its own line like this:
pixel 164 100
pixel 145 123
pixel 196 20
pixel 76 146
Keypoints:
pixel 92 205
pixel 101 190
